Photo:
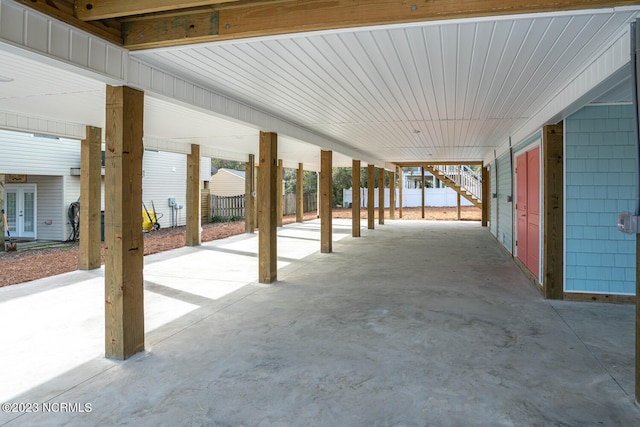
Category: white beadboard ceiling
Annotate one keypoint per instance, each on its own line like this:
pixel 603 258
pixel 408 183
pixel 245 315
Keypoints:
pixel 437 91
pixel 448 91
pixel 42 90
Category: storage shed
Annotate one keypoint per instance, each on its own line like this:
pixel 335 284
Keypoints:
pixel 227 182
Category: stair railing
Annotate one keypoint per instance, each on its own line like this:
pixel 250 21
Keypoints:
pixel 464 177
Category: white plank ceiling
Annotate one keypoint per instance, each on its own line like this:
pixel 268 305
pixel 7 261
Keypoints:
pixel 42 90
pixel 448 91
pixel 437 91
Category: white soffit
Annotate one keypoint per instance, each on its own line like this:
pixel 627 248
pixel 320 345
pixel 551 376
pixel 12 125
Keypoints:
pixel 172 127
pixel 42 90
pixel 431 91
pixel 44 99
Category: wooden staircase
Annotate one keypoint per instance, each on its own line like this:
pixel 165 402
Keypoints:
pixel 462 179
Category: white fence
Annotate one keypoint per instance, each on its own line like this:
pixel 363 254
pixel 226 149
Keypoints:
pixel 411 197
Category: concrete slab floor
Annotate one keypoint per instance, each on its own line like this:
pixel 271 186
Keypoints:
pixel 413 324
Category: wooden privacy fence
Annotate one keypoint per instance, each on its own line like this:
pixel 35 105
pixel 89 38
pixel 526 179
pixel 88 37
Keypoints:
pixel 227 207
pixel 310 203
pixel 205 203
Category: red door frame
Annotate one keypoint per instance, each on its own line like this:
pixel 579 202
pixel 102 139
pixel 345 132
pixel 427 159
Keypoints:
pixel 528 209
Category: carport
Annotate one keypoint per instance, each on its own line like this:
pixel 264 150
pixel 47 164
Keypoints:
pixel 313 85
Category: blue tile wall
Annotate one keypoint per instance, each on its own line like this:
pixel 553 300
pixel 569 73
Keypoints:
pixel 505 212
pixel 493 208
pixel 600 182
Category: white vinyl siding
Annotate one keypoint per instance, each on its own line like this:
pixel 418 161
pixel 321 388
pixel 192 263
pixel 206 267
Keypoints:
pixel 205 169
pixel 33 155
pixel 165 176
pixel 48 162
pixel 49 206
pixel 493 203
pixel 505 202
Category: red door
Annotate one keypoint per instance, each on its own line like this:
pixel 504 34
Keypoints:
pixel 521 207
pixel 533 211
pixel 528 209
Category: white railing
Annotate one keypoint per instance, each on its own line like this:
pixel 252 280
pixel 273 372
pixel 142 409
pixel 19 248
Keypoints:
pixel 464 177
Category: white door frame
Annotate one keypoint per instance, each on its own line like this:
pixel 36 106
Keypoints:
pixel 18 229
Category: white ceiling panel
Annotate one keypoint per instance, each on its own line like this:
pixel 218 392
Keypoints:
pixel 464 86
pixel 436 91
pixel 41 90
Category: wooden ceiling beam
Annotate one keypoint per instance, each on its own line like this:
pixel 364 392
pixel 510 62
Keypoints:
pixel 92 10
pixel 254 19
pixel 156 31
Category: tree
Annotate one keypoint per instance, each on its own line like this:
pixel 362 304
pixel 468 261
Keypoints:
pixel 341 180
pixel 309 181
pixel 227 164
pixel 364 178
pixel 289 176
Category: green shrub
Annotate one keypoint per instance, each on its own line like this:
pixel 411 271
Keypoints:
pixel 218 218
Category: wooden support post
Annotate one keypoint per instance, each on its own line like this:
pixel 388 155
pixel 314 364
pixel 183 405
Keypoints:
pixel 267 208
pixel 326 198
pixel 193 235
pixel 90 184
pixel 300 193
pixel 249 195
pixel 279 193
pixel 124 245
pixel 256 172
pixel 485 196
pixel 370 198
pixel 392 195
pixel 401 187
pixel 381 196
pixel 458 206
pixel 553 215
pixel 423 191
pixel 355 198
pixel 2 227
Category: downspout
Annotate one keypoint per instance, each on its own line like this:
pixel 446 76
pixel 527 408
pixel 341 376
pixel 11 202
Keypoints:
pixel 634 77
pixel 514 212
pixel 635 43
pixel 497 193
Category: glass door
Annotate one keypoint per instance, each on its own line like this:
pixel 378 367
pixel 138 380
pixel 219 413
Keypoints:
pixel 20 207
pixel 11 209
